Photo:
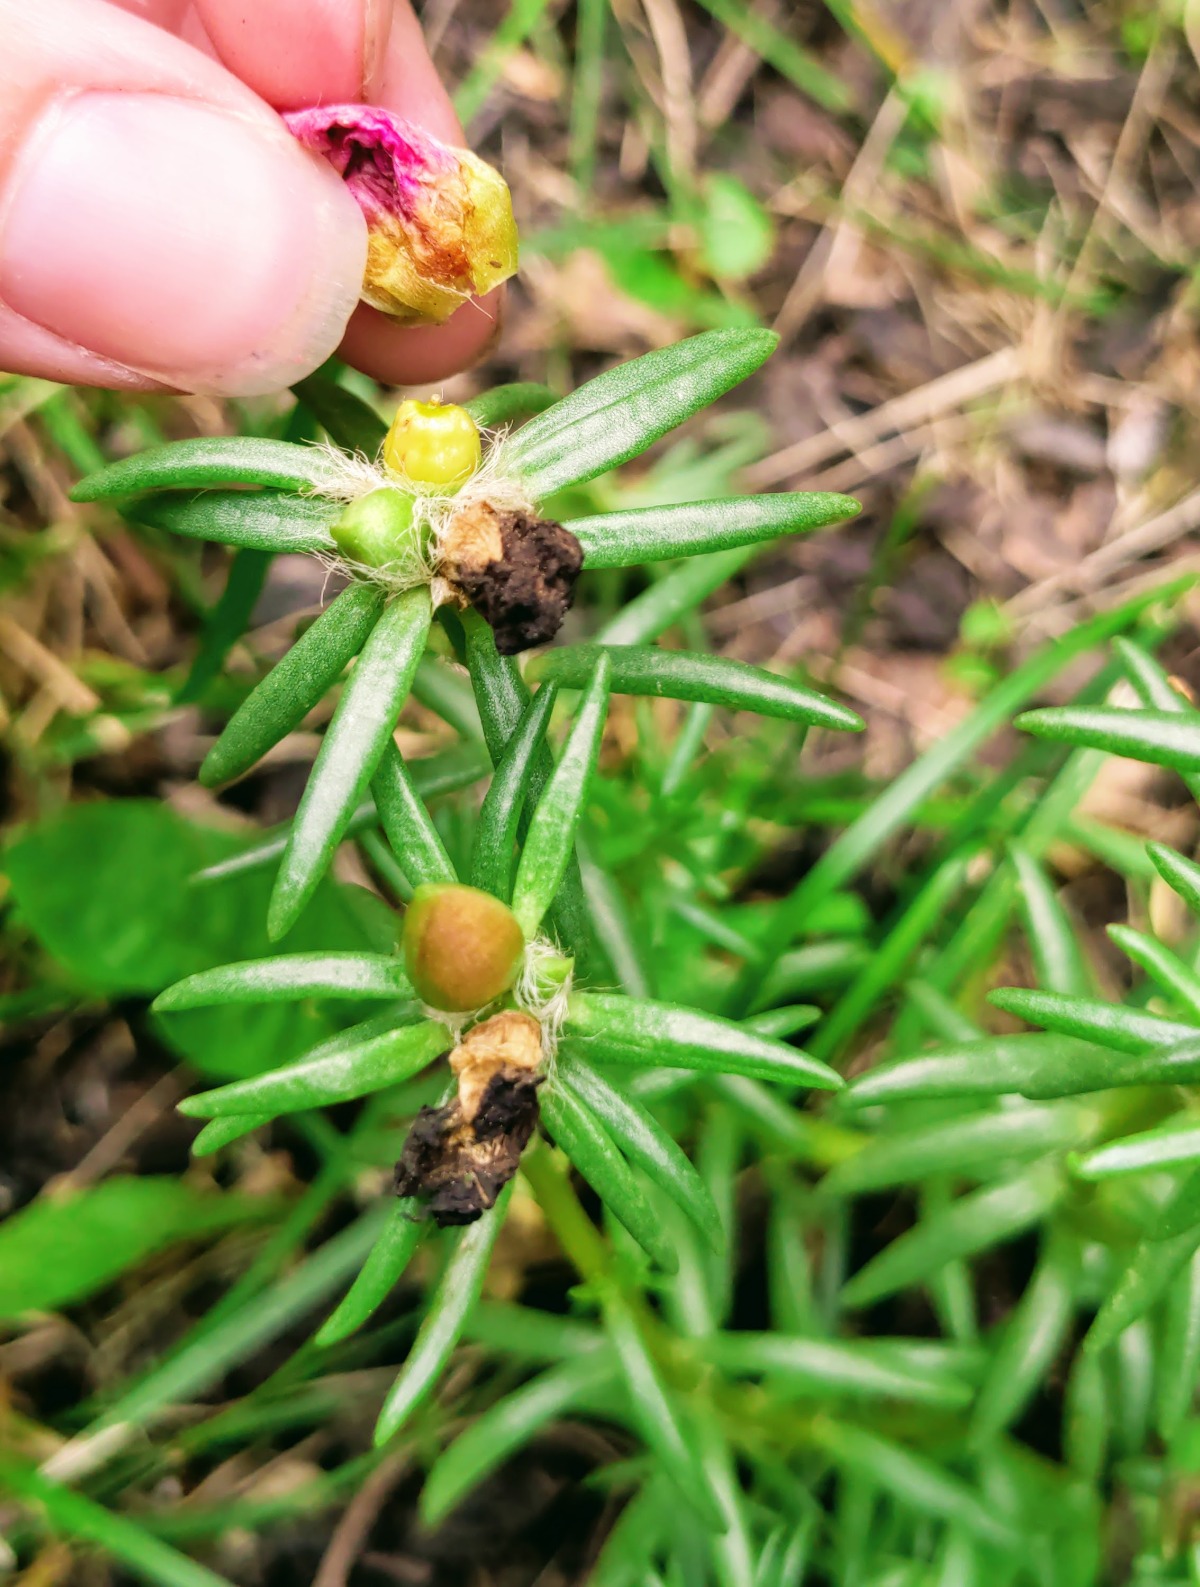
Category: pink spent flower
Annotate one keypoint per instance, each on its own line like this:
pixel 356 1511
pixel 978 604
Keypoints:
pixel 439 220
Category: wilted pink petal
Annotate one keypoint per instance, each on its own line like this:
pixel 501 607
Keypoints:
pixel 440 221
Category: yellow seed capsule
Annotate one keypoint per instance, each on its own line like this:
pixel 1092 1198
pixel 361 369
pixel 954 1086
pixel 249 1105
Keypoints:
pixel 462 947
pixel 432 443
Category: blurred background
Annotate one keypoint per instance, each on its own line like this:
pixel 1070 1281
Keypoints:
pixel 975 227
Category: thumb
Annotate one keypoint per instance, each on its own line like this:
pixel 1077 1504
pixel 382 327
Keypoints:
pixel 158 224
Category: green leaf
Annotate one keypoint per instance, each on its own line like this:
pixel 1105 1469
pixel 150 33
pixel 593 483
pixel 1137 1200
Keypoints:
pixel 1149 1273
pixel 1176 1141
pixel 1164 738
pixel 655 1415
pixel 673 597
pixel 1178 873
pixel 409 829
pixel 592 1150
pixel 619 414
pixel 456 1293
pixel 641 1031
pixel 550 839
pixel 1032 1338
pixel 1179 1351
pixel 347 420
pixel 689 675
pixel 380 1273
pixel 118 1536
pixel 510 1423
pixel 225 622
pixel 644 1142
pixel 351 1064
pixel 885 815
pixel 268 520
pixel 287 977
pixel 353 745
pixel 973 1144
pixel 828 1369
pixel 651 534
pixel 972 1223
pixel 219 1133
pixel 440 774
pixel 62 1248
pixel 220 460
pixel 294 685
pixel 105 888
pixel 506 404
pixel 1154 689
pixel 737 235
pixel 1175 977
pixel 1124 1029
pixel 1039 1067
pixel 496 829
pixel 1057 957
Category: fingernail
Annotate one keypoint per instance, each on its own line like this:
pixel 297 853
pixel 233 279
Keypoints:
pixel 194 246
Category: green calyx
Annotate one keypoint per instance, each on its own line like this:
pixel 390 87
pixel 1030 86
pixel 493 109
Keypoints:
pixel 377 530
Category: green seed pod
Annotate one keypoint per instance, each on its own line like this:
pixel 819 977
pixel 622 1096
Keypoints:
pixel 462 947
pixel 377 529
pixel 432 443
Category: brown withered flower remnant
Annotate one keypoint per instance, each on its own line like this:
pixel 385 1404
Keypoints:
pixel 459 1157
pixel 517 570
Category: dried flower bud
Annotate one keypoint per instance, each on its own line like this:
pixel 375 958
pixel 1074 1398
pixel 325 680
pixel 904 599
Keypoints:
pixel 377 529
pixel 462 947
pixel 518 571
pixel 432 443
pixel 439 220
pixel 460 1156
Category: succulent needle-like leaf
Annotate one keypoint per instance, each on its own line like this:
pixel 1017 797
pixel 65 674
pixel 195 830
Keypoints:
pixel 640 1030
pixel 619 414
pixel 652 534
pixel 456 1293
pixel 380 1273
pixel 600 1160
pixel 550 839
pixel 288 977
pixel 504 803
pixel 688 675
pixel 340 1069
pixel 352 748
pixel 268 520
pixel 1164 738
pixel 299 681
pixel 409 829
pixel 219 460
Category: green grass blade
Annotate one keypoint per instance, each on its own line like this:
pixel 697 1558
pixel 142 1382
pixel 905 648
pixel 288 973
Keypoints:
pixel 118 1536
pixel 288 977
pixel 337 1071
pixel 1053 940
pixel 689 675
pixel 349 422
pixel 452 1300
pixel 972 1223
pixel 406 823
pixel 828 1370
pixel 509 1424
pixel 550 839
pixel 496 831
pixel 1033 1336
pixel 298 682
pixel 352 747
pixel 653 534
pixel 619 414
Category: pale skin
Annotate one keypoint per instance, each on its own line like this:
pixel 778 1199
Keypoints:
pixel 159 227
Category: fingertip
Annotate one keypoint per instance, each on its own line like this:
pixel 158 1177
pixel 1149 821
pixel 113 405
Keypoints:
pixel 421 355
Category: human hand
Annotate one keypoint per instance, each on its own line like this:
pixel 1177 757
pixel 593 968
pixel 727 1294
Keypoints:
pixel 159 226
